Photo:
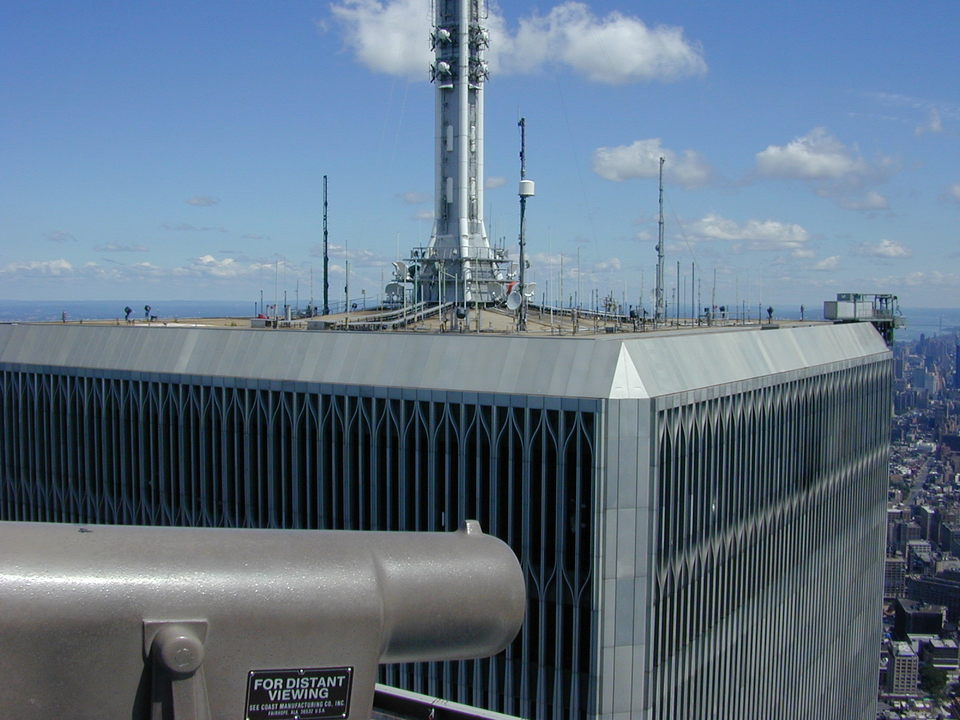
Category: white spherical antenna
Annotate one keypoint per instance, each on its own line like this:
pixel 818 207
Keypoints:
pixel 513 300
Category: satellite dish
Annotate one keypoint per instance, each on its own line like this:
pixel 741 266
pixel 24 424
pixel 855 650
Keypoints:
pixel 513 300
pixel 529 289
pixel 400 268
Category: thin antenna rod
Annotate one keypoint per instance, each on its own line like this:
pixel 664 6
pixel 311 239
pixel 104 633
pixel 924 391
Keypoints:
pixel 326 254
pixel 658 311
pixel 526 190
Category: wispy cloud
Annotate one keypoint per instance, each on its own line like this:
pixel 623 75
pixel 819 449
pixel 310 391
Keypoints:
pixel 495 182
pixel 187 227
pixel 934 279
pixel 360 257
pixel 415 198
pixel 884 249
pixel 38 268
pixel 953 193
pixel 918 105
pixel 202 200
pixel 60 236
pixel 934 125
pixel 641 159
pixel 120 247
pixel 827 264
pixel 391 36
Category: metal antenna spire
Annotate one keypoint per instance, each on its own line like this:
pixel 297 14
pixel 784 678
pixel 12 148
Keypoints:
pixel 658 311
pixel 326 255
pixel 526 190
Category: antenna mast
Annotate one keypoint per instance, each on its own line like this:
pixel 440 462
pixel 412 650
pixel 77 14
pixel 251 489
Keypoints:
pixel 326 255
pixel 526 190
pixel 658 312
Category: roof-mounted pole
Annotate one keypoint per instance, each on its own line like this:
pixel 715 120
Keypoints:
pixel 658 312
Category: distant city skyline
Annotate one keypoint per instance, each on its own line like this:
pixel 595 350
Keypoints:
pixel 178 152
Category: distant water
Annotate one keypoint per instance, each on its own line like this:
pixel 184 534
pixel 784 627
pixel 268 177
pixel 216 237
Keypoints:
pixel 929 322
pixel 46 310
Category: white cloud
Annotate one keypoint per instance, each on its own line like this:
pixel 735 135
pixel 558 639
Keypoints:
pixel 953 192
pixel 202 201
pixel 815 156
pixel 834 170
pixel 642 160
pixel 934 125
pixel 494 182
pixel 885 249
pixel 60 236
pixel 38 267
pixel 828 263
pixel 614 49
pixel 392 36
pixel 753 234
pixel 424 215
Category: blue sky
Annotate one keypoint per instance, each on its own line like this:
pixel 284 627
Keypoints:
pixel 160 151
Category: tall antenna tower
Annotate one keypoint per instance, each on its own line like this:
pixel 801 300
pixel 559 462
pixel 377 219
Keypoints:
pixel 459 259
pixel 658 313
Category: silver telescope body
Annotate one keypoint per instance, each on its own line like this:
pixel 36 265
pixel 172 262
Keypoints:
pixel 169 623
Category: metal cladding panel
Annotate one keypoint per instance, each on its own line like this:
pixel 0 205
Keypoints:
pixel 596 367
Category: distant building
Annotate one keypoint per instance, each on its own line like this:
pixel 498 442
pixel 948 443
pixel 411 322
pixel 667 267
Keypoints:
pixel 940 589
pixel 918 555
pixel 894 575
pixel 902 669
pixel 905 532
pixel 941 653
pixel 926 517
pixel 698 515
pixel 915 617
pixel 956 368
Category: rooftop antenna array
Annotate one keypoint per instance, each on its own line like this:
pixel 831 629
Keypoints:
pixel 658 316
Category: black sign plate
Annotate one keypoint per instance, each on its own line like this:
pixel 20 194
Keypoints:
pixel 303 694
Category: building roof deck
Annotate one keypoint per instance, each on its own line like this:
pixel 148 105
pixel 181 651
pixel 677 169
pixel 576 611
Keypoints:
pixel 603 366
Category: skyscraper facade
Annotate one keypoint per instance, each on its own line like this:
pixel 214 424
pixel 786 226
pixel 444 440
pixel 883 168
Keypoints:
pixel 699 515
